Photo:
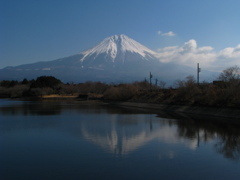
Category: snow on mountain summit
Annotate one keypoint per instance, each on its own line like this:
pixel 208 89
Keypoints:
pixel 118 44
pixel 116 59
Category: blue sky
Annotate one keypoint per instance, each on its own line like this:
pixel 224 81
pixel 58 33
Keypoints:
pixel 42 30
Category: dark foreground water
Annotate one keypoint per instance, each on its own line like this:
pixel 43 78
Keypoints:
pixel 53 140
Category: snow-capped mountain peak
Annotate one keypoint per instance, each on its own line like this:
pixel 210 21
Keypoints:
pixel 116 45
pixel 116 59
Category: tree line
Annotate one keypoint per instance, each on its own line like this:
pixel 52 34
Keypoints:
pixel 224 91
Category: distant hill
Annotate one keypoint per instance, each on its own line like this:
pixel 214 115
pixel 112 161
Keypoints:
pixel 116 59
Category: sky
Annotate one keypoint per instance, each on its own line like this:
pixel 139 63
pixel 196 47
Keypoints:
pixel 181 31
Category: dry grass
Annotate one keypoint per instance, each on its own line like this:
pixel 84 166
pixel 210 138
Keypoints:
pixel 62 96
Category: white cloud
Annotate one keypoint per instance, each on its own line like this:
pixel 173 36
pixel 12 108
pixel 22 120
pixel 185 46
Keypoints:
pixel 170 33
pixel 189 46
pixel 205 49
pixel 189 54
pixel 230 52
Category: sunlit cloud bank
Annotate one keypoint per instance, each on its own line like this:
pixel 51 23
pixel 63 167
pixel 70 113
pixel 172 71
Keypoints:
pixel 190 54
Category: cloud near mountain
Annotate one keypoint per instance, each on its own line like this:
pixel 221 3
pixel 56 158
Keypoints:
pixel 189 54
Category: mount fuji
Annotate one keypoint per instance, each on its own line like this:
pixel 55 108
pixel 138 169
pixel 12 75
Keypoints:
pixel 116 59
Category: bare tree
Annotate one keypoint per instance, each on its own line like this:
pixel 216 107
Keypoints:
pixel 162 84
pixel 229 74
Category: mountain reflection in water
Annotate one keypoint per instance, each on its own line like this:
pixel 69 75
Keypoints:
pixel 122 131
pixel 129 137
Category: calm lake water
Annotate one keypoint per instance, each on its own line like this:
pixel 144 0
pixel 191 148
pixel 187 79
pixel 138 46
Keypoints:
pixel 67 140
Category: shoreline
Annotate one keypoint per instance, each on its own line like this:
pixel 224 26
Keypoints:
pixel 184 109
pixel 220 112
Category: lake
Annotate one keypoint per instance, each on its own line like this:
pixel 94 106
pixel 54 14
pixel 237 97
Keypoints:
pixel 73 140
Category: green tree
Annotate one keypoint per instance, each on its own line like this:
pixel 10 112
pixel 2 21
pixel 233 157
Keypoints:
pixel 25 81
pixel 45 81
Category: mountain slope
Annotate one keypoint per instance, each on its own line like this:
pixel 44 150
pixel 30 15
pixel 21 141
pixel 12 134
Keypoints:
pixel 116 59
pixel 116 47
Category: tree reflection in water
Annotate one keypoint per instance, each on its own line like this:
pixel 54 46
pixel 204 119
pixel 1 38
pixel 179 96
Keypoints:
pixel 229 145
pixel 204 130
pixel 127 131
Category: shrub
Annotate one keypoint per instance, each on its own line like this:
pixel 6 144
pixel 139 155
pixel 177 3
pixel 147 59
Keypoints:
pixel 187 90
pixel 122 92
pixel 8 84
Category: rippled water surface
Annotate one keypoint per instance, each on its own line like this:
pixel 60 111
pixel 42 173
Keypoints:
pixel 69 140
